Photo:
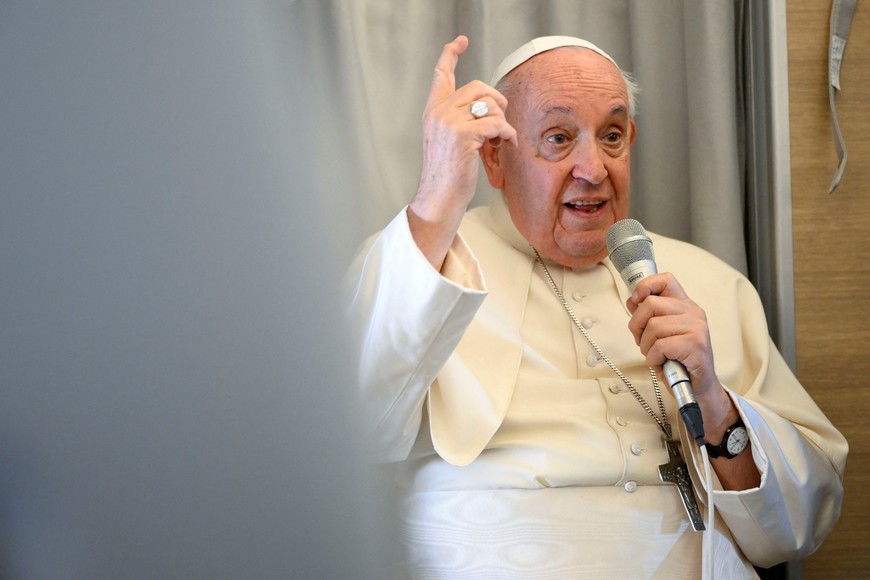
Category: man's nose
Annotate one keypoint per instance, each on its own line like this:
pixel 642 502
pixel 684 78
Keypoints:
pixel 588 161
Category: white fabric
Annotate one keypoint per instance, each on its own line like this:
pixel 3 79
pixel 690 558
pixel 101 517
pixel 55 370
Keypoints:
pixel 537 46
pixel 481 347
pixel 558 532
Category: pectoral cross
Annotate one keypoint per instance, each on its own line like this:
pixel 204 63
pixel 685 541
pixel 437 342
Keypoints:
pixel 675 471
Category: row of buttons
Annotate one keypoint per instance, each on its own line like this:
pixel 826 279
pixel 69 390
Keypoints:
pixel 636 448
pixel 588 323
pixel 615 388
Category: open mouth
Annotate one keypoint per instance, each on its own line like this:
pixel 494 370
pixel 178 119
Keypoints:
pixel 589 207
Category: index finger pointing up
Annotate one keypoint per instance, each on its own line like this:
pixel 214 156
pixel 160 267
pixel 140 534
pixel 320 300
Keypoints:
pixel 444 79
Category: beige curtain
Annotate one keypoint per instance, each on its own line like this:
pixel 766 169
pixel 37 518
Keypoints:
pixel 369 63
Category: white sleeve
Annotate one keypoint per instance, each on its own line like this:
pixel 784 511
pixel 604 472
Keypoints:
pixel 798 452
pixel 407 320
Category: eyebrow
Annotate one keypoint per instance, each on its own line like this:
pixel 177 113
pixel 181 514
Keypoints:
pixel 617 110
pixel 562 109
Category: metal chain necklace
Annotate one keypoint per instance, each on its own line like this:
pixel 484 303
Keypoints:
pixel 662 421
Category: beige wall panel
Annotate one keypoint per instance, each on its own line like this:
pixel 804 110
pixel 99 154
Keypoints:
pixel 832 260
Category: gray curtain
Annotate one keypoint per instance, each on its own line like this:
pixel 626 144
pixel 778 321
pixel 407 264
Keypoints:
pixel 371 63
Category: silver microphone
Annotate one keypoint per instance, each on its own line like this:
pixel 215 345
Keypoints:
pixel 631 251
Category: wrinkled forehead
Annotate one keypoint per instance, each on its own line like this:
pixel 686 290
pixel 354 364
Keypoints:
pixel 565 80
pixel 539 45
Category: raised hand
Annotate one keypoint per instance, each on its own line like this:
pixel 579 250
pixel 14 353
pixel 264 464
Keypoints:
pixel 452 139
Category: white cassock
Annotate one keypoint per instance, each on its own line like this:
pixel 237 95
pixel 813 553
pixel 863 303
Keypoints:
pixel 523 455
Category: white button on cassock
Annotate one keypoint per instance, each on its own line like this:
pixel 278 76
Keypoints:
pixel 636 448
pixel 592 360
pixel 630 486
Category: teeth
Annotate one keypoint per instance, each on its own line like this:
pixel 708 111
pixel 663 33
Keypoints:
pixel 583 203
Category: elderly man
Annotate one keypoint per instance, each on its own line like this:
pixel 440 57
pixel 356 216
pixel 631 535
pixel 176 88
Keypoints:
pixel 514 378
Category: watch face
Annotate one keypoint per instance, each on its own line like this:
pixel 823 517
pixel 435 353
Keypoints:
pixel 737 440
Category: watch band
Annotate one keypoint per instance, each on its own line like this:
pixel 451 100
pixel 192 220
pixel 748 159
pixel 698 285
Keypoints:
pixel 736 436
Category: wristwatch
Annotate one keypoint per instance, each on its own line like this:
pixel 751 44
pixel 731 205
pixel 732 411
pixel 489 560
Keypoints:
pixel 733 442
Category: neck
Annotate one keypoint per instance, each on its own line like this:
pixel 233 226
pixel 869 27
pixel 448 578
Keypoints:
pixel 572 262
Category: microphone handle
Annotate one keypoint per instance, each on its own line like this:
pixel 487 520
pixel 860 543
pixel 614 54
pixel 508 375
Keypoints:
pixel 678 379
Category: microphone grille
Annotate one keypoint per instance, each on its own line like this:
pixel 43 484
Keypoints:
pixel 627 243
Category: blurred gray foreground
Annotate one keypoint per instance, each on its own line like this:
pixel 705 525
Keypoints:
pixel 174 395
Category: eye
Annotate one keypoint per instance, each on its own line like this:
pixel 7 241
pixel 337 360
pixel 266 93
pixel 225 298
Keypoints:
pixel 556 143
pixel 613 137
pixel 557 139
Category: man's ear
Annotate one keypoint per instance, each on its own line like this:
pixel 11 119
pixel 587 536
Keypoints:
pixel 633 131
pixel 490 154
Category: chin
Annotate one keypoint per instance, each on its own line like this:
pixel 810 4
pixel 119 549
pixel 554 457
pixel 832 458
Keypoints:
pixel 591 247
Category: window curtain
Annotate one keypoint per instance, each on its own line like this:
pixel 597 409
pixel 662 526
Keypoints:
pixel 368 65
